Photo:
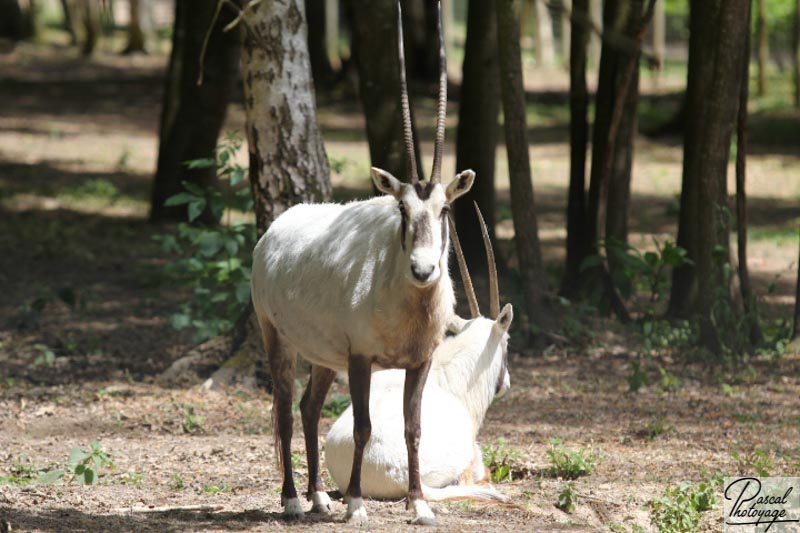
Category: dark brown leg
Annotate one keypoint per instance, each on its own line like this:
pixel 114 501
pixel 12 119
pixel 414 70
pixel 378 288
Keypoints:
pixel 310 407
pixel 359 372
pixel 412 408
pixel 282 366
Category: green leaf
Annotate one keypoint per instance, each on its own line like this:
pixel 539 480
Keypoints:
pixel 243 292
pixel 592 261
pixel 180 199
pixel 50 477
pixel 77 455
pixel 209 243
pixel 89 477
pixel 196 209
pixel 179 321
pixel 237 176
pixel 194 188
pixel 201 163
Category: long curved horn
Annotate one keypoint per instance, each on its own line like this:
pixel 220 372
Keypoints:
pixel 441 110
pixel 472 300
pixel 494 288
pixel 408 135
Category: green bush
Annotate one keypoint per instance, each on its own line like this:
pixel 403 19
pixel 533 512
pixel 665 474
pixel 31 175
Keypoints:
pixel 214 260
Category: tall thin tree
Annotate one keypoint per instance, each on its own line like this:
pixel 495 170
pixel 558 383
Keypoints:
pixel 374 23
pixel 526 233
pixel 712 96
pixel 192 115
pixel 578 238
pixel 749 303
pixel 476 137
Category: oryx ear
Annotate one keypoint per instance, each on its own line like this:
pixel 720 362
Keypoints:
pixel 461 185
pixel 386 183
pixel 505 317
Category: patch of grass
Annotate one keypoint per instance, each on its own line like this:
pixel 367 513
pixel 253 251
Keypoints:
pixel 669 382
pixel 654 427
pixel 96 189
pixel 177 482
pixel 570 464
pixel 758 461
pixel 567 498
pixel 216 489
pixel 131 477
pixel 337 405
pixel 637 378
pixel 503 461
pixel 678 509
pixel 191 422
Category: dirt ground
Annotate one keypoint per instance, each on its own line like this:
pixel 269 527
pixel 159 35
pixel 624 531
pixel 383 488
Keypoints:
pixel 84 333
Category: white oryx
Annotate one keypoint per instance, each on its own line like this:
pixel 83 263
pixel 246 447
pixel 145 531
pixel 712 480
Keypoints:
pixel 468 371
pixel 356 288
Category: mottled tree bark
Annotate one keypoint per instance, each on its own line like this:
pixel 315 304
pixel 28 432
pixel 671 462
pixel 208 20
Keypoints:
pixel 375 53
pixel 476 138
pixel 288 164
pixel 526 238
pixel 578 238
pixel 715 74
pixel 192 115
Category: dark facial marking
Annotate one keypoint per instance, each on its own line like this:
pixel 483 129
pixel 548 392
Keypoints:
pixel 423 189
pixel 422 230
pixel 403 224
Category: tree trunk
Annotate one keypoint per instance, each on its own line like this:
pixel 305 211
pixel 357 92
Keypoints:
pixel 476 138
pixel 796 54
pixel 659 38
pixel 566 30
pixel 137 25
pixel 375 52
pixel 596 15
pixel 69 22
pixel 526 238
pixel 288 164
pixel 12 26
pixel 90 22
pixel 749 303
pixel 623 18
pixel 316 13
pixel 578 238
pixel 796 328
pixel 763 46
pixel 192 115
pixel 545 49
pixel 715 56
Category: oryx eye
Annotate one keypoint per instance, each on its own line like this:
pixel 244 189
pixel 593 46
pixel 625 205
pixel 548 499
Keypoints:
pixel 402 207
pixel 445 210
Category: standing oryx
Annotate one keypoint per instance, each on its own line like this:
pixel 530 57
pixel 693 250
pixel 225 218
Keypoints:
pixel 469 370
pixel 355 287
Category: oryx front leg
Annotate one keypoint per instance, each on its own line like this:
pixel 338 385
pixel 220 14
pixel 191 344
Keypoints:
pixel 282 366
pixel 310 408
pixel 412 404
pixel 359 374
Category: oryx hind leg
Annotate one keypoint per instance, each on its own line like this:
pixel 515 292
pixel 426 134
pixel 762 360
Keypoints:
pixel 282 364
pixel 310 408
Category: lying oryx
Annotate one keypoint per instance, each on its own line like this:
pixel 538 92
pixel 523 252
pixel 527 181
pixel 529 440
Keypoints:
pixel 353 288
pixel 469 369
